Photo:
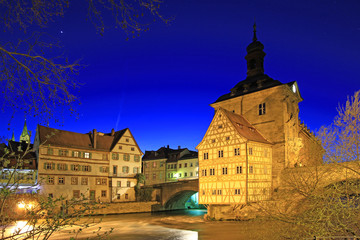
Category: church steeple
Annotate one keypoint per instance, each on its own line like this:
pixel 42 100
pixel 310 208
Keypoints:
pixel 25 134
pixel 255 56
pixel 13 137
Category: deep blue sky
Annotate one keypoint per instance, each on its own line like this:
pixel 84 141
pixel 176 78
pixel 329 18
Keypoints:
pixel 160 84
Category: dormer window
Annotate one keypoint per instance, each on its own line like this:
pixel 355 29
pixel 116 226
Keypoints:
pixel 262 110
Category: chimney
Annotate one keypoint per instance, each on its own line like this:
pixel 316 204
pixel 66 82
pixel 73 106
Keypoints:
pixel 168 146
pixel 179 147
pixel 94 137
pixel 112 132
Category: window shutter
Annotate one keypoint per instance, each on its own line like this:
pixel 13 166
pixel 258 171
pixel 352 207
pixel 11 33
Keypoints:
pixel 44 165
pixel 58 166
pixel 66 168
pixel 53 166
pixel 89 168
pixel 72 153
pixel 90 155
pixel 82 168
pixel 72 166
pixel 59 152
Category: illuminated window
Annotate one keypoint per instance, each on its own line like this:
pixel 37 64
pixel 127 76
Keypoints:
pixel 74 181
pixel 154 164
pixel 76 193
pixel 76 154
pixel 98 181
pixel 262 110
pixel 221 153
pixel 61 180
pixel 236 151
pixel 86 155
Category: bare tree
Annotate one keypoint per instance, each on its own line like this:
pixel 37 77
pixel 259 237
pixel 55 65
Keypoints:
pixel 35 77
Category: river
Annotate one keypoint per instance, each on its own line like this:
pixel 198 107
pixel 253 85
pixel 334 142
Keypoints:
pixel 175 225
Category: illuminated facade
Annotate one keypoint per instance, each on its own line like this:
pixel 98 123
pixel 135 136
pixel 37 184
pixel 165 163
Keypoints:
pixel 169 165
pixel 74 164
pixel 234 168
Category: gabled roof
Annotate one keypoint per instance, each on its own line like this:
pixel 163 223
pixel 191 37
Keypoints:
pixel 18 152
pixel 244 127
pixel 172 155
pixel 105 142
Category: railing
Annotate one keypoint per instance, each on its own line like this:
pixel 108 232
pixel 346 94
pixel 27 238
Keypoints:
pixel 334 238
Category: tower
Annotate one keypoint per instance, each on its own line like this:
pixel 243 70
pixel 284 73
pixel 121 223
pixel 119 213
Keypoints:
pixel 25 134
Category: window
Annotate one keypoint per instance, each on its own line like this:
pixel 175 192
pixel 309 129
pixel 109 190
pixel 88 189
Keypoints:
pixel 154 176
pixel 75 154
pixel 49 166
pixel 203 192
pixel 224 171
pixel 50 180
pixel 126 196
pixel 84 181
pixel 120 147
pixel 161 164
pixel 62 152
pixel 250 151
pixel 86 155
pixel 171 175
pixel 86 168
pixel 103 193
pixel 50 151
pixel 103 181
pixel 179 174
pixel 221 153
pixel 137 158
pixel 239 169
pixel 213 140
pixel 219 192
pixel 115 170
pixel 74 180
pixel 104 169
pixel 185 174
pixel 160 175
pixel 76 193
pixel 154 164
pixel 132 149
pixel 213 192
pixel 75 167
pixel 179 165
pixel 118 196
pixel 220 126
pixel 236 151
pixel 118 183
pixel 206 156
pixel 125 169
pixel 191 164
pixel 135 170
pixel 262 109
pixel 227 138
pixel 251 169
pixel 62 166
pixel 185 165
pixel 126 157
pixel 127 140
pixel 191 174
pixel 115 156
pixel 61 181
pixel 203 172
pixel 51 195
pixel 128 184
pixel 212 171
pixel 237 191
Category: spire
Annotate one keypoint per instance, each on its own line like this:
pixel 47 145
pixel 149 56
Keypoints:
pixel 254 37
pixel 25 134
pixel 13 137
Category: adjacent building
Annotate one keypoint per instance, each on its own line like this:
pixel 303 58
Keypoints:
pixel 254 135
pixel 169 165
pixel 96 165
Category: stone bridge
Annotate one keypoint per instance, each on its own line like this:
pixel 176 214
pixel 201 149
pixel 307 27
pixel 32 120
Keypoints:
pixel 174 195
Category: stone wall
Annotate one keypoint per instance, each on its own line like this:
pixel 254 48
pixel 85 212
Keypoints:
pixel 127 207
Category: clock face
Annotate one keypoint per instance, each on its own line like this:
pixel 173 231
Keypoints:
pixel 294 88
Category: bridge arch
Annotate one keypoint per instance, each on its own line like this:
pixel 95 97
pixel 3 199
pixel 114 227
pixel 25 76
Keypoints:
pixel 178 200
